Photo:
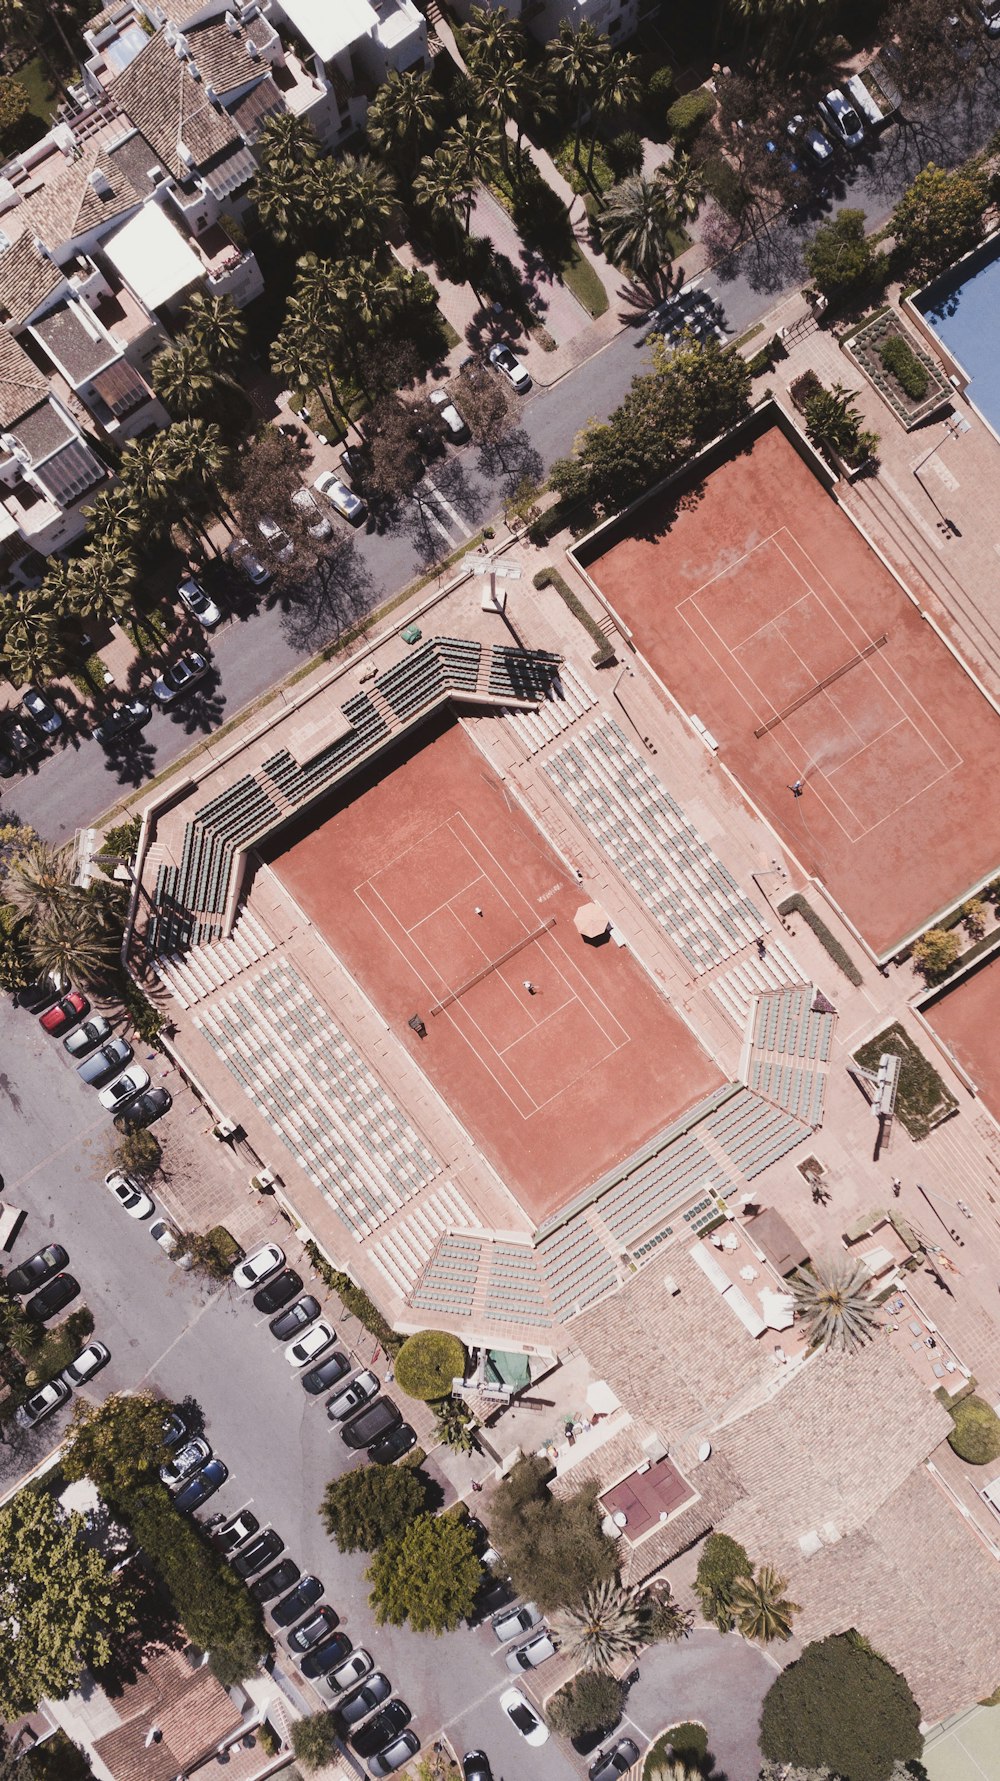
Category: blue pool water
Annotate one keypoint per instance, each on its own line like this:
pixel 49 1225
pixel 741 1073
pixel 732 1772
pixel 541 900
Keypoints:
pixel 965 313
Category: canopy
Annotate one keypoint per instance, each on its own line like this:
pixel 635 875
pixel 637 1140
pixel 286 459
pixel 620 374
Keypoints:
pixel 777 1309
pixel 592 921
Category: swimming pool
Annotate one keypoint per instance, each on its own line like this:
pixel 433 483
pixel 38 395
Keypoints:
pixel 963 308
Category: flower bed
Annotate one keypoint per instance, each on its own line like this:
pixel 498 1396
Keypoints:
pixel 870 349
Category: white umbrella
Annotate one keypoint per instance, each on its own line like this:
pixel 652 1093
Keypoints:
pixel 592 921
pixel 601 1398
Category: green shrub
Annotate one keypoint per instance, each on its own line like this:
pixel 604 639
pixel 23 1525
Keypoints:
pixel 624 154
pixel 976 1434
pixel 19 127
pixel 428 1364
pixel 686 1743
pixel 761 362
pixel 797 905
pixel 213 1253
pixel 551 578
pixel 355 1300
pixel 722 1564
pixel 661 83
pixel 841 1707
pixel 804 388
pixel 268 1740
pixel 902 363
pixel 591 1702
pixel 922 1099
pixel 935 952
pixel 121 842
pixel 59 1346
pixel 314 1740
pixel 689 114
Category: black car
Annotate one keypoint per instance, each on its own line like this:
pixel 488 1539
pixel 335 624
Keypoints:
pixel 317 1627
pixel 294 1319
pixel 494 1593
pixel 259 1553
pixel 392 1446
pixel 147 1107
pixel 203 1485
pixel 323 1657
pixel 382 1729
pixel 357 1706
pixel 277 1292
pixel 38 995
pixel 17 748
pixel 476 1766
pixel 326 1373
pixel 307 1591
pixel 614 1762
pixel 233 1533
pixel 378 1420
pixel 275 1581
pixel 52 1298
pixel 121 719
pixel 37 1269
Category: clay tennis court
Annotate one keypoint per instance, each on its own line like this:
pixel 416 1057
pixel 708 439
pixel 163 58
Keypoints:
pixel 768 616
pixel 555 1084
pixel 966 1019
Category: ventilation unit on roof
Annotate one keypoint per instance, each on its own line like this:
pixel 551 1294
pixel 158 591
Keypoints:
pixel 252 50
pixel 193 69
pixel 184 154
pixel 99 182
pixel 232 24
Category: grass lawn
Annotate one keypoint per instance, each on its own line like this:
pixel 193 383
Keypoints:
pixel 579 277
pixel 688 1741
pixel 922 1099
pixel 44 97
pixel 601 175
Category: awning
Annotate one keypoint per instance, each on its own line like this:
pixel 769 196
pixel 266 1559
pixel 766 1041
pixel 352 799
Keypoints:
pixel 777 1309
pixel 601 1398
pixel 592 921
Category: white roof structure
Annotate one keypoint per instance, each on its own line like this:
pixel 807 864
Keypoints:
pixel 153 257
pixel 330 28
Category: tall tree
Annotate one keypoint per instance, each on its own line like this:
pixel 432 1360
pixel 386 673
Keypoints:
pixel 430 1576
pixel 37 880
pixel 217 329
pixel 183 379
pixel 635 225
pixel 443 185
pixel 118 1445
pixel 842 1708
pixel 608 1624
pixel 616 89
pixel 74 940
pixel 684 183
pixel 763 1611
pixel 33 638
pixel 404 116
pixel 365 1508
pixel 577 58
pixel 835 1304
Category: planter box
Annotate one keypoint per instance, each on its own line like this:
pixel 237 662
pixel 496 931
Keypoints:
pixel 863 347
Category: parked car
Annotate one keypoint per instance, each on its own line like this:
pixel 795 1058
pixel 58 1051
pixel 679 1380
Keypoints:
pixel 130 715
pixel 322 1657
pixel 292 1607
pixel 842 118
pixel 257 1554
pixel 17 748
pixel 319 1626
pixel 329 1370
pixel 180 677
pixel 315 521
pixel 278 540
pixel 363 1387
pixel 456 428
pixel 275 1581
pixel 354 461
pixel 41 712
pixel 92 1032
pixel 243 559
pixel 144 1110
pixel 169 1241
pixel 815 144
pixel 288 1323
pixel 615 1761
pixel 89 1361
pixel 191 594
pixel 278 1291
pixel 528 1657
pixel 42 1403
pixel 393 1755
pixel 106 1063
pixel 365 1699
pixel 174 1428
pixel 523 1718
pixel 343 500
pixel 382 1729
pixel 132 1198
pixel 493 1593
pixel 203 1485
pixel 476 1766
pixel 353 1668
pixel 39 995
pixel 257 1267
pixel 124 1088
pixel 186 1462
pixel 392 1446
pixel 312 1343
pixel 65 1013
pixel 502 359
pixel 54 1297
pixel 234 1532
pixel 37 1268
pixel 380 1419
pixel 514 1621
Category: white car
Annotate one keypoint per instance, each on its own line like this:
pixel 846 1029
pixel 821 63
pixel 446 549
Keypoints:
pixel 502 359
pixel 169 1241
pixel 843 119
pixel 89 1361
pixel 457 428
pixel 124 1088
pixel 259 1266
pixel 192 595
pixel 42 1403
pixel 523 1717
pixel 128 1193
pixel 317 524
pixel 312 1343
pixel 279 541
pixel 343 500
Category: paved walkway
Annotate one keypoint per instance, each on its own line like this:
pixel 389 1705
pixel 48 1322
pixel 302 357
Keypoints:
pixel 718 1681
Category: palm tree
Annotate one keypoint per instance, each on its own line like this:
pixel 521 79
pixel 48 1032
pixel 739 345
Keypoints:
pixel 684 183
pixel 618 86
pixel 578 58
pixel 287 139
pixel 72 940
pixel 473 142
pixel 454 1425
pixel 33 641
pixel 609 1623
pixel 216 328
pixel 182 378
pixel 101 581
pixel 494 38
pixel 303 355
pixel 505 92
pixel 834 1304
pixel 37 881
pixel 763 1611
pixel 369 198
pixel 404 115
pixel 442 185
pixel 198 460
pixel 635 224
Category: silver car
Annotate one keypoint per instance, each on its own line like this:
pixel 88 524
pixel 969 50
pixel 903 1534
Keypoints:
pixel 529 1656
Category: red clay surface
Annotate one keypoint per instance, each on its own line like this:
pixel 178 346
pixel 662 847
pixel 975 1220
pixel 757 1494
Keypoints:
pixel 966 1019
pixel 759 590
pixel 555 1087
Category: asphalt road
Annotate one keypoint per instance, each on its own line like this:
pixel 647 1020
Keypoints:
pixel 207 1345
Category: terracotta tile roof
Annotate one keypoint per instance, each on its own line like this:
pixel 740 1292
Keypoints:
pixel 42 431
pixel 26 278
pixel 223 56
pixel 108 14
pixel 70 205
pixel 71 344
pixel 189 1707
pixel 121 388
pixel 253 108
pixel 169 107
pixel 22 385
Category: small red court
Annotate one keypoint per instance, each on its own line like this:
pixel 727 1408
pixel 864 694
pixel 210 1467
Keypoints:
pixel 767 615
pixel 443 899
pixel 966 1019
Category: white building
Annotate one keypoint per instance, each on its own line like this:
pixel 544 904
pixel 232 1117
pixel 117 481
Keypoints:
pixel 618 19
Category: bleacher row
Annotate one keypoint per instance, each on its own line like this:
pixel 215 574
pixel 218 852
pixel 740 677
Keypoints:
pixel 404 1249
pixel 800 1092
pixel 188 900
pixel 568 698
pixel 654 846
pixel 753 1133
pixel 663 1181
pixel 737 989
pixel 787 1023
pixel 319 1095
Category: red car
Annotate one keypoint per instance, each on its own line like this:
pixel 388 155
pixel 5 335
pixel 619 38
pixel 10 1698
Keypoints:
pixel 66 1013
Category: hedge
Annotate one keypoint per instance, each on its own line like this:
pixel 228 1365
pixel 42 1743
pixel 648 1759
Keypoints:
pixel 549 577
pixel 976 1434
pixel 428 1364
pixel 690 113
pixel 797 905
pixel 923 1100
pixel 353 1299
pixel 904 366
